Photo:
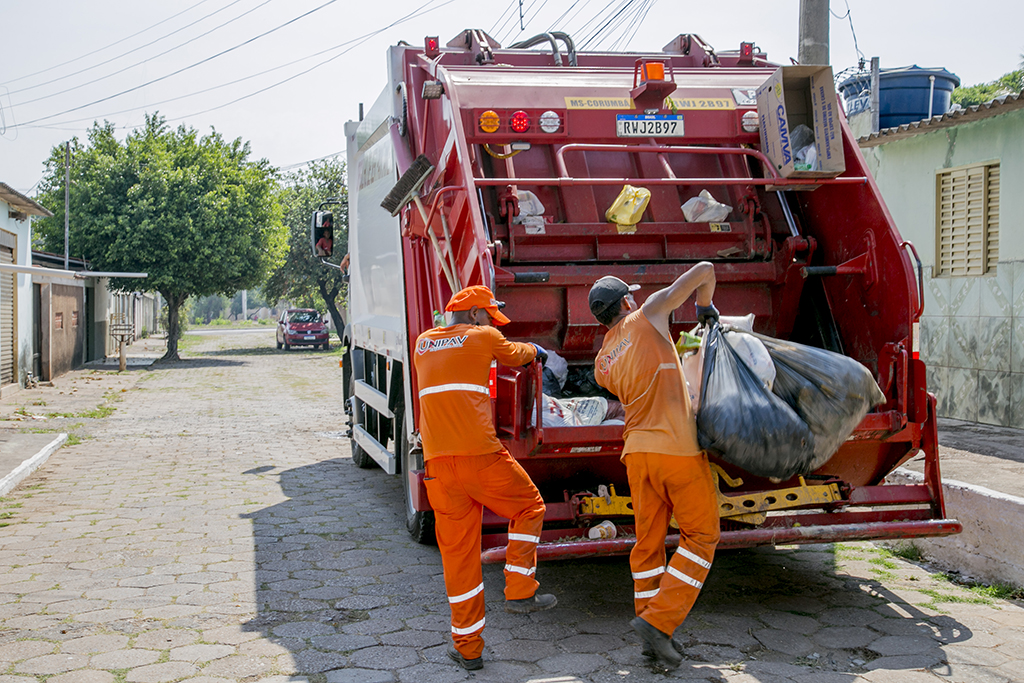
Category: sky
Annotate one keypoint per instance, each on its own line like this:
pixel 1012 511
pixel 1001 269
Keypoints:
pixel 285 75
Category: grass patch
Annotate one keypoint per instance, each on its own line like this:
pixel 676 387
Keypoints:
pixel 995 591
pixel 906 551
pixel 97 413
pixel 73 440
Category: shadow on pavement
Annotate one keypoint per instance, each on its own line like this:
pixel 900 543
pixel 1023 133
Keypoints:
pixel 339 584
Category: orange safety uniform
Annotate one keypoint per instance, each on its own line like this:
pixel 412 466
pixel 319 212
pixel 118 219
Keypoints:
pixel 668 472
pixel 467 468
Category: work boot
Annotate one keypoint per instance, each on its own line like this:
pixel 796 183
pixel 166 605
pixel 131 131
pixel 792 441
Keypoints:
pixel 659 643
pixel 538 603
pixel 467 664
pixel 647 651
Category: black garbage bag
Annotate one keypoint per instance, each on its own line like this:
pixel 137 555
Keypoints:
pixel 745 424
pixel 831 392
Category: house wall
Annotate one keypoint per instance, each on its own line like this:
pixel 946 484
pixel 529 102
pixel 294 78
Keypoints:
pixel 972 329
pixel 23 348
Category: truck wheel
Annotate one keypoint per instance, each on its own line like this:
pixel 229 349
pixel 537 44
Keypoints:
pixel 361 458
pixel 419 524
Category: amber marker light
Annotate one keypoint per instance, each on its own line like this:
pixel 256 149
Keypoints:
pixel 489 121
pixel 654 71
pixel 520 122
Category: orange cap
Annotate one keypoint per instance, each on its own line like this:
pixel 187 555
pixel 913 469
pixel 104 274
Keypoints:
pixel 481 297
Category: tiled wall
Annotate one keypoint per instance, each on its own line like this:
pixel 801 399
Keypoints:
pixel 972 341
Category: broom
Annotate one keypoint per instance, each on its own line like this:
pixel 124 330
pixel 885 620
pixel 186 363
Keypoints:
pixel 406 190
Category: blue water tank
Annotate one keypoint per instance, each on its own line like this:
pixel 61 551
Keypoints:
pixel 902 93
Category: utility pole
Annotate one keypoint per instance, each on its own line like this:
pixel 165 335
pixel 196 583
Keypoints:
pixel 875 104
pixel 813 32
pixel 67 197
pixel 245 304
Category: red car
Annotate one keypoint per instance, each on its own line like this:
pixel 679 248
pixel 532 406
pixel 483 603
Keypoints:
pixel 302 327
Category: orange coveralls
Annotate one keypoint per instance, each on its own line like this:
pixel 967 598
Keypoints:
pixel 467 468
pixel 668 472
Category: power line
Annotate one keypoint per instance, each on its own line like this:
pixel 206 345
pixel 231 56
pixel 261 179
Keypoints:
pixel 510 7
pixel 183 69
pixel 107 47
pixel 361 40
pixel 415 13
pixel 849 15
pixel 132 66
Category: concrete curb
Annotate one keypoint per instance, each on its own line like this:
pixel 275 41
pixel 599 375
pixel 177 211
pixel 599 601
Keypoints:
pixel 989 548
pixel 27 467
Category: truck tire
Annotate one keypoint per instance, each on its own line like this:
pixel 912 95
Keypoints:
pixel 419 524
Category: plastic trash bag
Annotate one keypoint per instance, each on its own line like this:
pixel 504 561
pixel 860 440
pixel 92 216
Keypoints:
pixel 754 354
pixel 745 424
pixel 705 209
pixel 531 213
pixel 628 207
pixel 831 392
pixel 574 412
pixel 805 155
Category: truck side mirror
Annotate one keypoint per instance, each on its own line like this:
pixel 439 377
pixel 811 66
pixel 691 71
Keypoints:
pixel 321 233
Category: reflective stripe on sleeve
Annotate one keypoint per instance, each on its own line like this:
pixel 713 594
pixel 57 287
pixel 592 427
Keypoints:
pixel 693 558
pixel 440 388
pixel 469 629
pixel 466 596
pixel 648 574
pixel 524 537
pixel 683 577
pixel 640 595
pixel 521 570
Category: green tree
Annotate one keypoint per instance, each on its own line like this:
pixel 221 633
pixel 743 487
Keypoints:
pixel 193 212
pixel 1008 83
pixel 210 307
pixel 302 279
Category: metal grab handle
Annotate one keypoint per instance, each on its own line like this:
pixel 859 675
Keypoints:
pixel 661 149
pixel 920 277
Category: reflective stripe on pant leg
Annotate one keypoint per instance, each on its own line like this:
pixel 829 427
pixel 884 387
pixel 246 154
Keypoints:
pixel 691 488
pixel 457 524
pixel 647 559
pixel 507 490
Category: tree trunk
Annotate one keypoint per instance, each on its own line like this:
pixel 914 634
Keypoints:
pixel 329 297
pixel 174 302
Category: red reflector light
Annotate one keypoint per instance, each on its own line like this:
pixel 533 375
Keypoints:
pixel 431 46
pixel 746 50
pixel 520 122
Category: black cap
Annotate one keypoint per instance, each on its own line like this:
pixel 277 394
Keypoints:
pixel 606 292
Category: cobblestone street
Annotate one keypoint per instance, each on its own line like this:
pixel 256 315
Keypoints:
pixel 213 529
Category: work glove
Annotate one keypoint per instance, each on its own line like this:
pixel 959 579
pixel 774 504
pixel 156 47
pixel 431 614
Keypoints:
pixel 542 355
pixel 706 314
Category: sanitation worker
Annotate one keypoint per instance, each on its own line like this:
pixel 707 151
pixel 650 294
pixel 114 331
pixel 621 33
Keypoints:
pixel 668 472
pixel 467 468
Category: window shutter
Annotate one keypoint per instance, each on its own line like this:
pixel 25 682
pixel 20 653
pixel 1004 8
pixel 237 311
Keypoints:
pixel 967 220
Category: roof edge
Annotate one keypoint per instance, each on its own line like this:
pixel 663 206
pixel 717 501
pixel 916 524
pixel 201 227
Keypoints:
pixel 23 204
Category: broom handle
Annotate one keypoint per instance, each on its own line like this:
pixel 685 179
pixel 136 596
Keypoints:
pixel 437 247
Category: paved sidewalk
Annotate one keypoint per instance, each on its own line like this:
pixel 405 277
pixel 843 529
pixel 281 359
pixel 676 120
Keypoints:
pixel 210 529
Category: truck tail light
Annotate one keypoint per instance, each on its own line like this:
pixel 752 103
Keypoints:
pixel 520 122
pixel 746 50
pixel 489 121
pixel 431 47
pixel 550 121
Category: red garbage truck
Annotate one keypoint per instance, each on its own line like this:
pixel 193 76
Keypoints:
pixel 519 152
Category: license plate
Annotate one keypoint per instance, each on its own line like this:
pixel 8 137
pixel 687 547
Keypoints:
pixel 309 336
pixel 648 126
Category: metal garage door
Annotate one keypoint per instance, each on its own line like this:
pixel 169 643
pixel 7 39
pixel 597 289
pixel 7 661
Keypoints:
pixel 6 319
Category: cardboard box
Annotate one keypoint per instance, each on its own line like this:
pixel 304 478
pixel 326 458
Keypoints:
pixel 795 95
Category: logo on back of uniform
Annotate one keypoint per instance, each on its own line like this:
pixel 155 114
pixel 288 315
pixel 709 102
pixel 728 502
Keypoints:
pixel 605 362
pixel 427 345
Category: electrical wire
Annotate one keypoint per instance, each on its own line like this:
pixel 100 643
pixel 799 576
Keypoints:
pixel 555 25
pixel 116 42
pixel 310 161
pixel 510 7
pixel 416 13
pixel 596 36
pixel 132 66
pixel 587 33
pixel 849 14
pixel 183 69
